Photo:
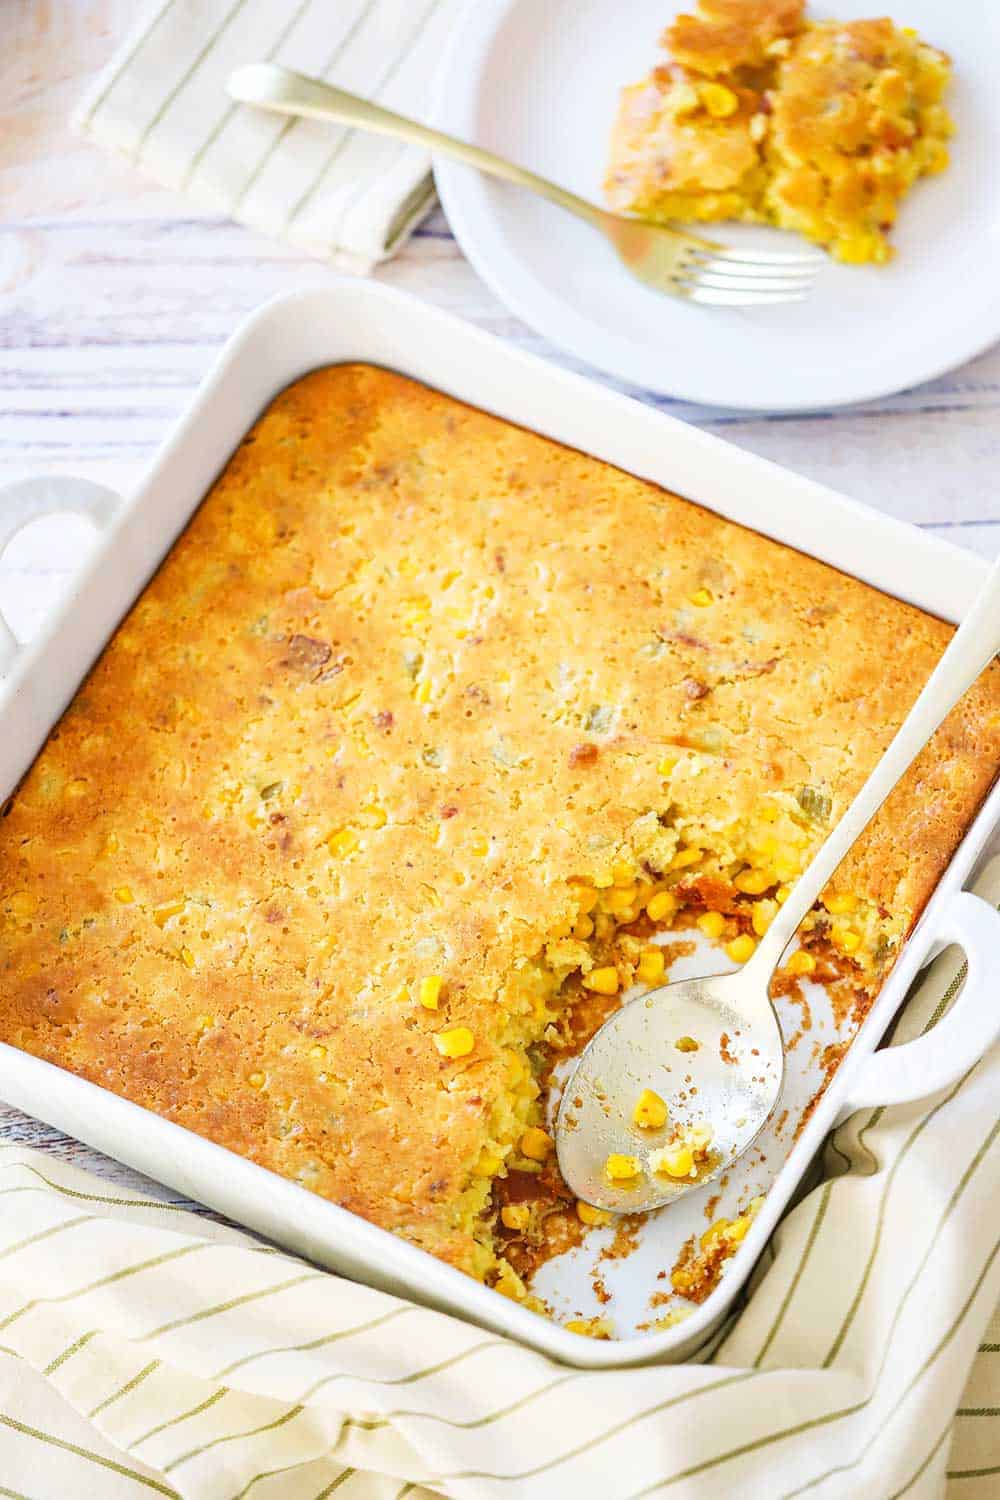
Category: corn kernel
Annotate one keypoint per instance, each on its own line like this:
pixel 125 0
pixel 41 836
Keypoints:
pixel 846 939
pixel 619 1168
pixel 589 1328
pixel 188 957
pixel 715 1231
pixel 256 1080
pixel 429 991
pixel 162 914
pixel 509 1284
pixel 651 966
pixel 620 899
pixel 754 882
pixel 782 894
pixel 666 766
pixel 516 1069
pixel 702 598
pixel 686 1044
pixel 673 1161
pixel 587 898
pixel 458 1041
pixel 602 981
pixel 481 847
pixel 741 948
pixel 699 1137
pixel 344 841
pixel 488 1164
pixel 584 928
pixel 515 1215
pixel 650 1112
pixel 422 691
pixel 801 962
pixel 22 904
pixel 685 857
pixel 123 893
pixel 840 903
pixel 737 1230
pixel 536 1144
pixel 318 1051
pixel 374 816
pixel 718 100
pixel 712 923
pixel 593 1217
pixel 763 914
pixel 623 874
pixel 787 866
pixel 660 906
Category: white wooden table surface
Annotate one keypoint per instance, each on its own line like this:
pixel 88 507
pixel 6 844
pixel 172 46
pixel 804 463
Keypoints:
pixel 114 297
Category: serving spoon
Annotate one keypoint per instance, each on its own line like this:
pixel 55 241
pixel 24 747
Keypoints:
pixel 728 1071
pixel 665 258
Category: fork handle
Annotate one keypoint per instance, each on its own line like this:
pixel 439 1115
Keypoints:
pixel 289 93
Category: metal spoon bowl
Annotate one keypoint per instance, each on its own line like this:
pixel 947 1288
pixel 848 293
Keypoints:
pixel 732 1082
pixel 729 1080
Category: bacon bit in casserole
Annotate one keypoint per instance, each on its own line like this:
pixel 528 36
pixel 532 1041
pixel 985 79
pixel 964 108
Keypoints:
pixel 306 654
pixel 757 668
pixel 584 754
pixel 684 639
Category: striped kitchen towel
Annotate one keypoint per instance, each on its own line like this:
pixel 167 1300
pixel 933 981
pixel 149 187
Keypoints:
pixel 334 192
pixel 146 1351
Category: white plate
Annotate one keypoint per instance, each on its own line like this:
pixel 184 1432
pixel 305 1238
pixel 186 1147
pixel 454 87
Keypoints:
pixel 538 81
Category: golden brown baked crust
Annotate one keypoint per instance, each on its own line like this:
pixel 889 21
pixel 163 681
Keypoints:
pixel 411 684
pixel 724 35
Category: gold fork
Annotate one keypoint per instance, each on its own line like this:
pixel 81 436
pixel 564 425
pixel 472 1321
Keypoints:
pixel 667 259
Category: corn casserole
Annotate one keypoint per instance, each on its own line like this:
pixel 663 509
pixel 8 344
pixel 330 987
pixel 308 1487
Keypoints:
pixel 816 126
pixel 423 730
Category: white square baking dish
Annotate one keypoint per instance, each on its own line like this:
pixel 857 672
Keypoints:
pixel 347 321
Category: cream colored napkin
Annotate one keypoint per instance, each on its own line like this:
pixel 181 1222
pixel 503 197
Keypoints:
pixel 338 193
pixel 146 1351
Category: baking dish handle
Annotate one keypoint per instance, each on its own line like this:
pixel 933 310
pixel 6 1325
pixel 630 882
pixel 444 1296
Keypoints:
pixel 939 1057
pixel 26 500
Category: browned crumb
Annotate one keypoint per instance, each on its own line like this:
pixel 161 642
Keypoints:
pixel 627 1230
pixel 728 34
pixel 698 1267
pixel 830 1059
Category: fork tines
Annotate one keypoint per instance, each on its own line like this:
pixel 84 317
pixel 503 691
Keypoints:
pixel 733 278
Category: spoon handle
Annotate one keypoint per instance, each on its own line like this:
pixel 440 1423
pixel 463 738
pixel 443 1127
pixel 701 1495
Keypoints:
pixel 970 651
pixel 289 93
